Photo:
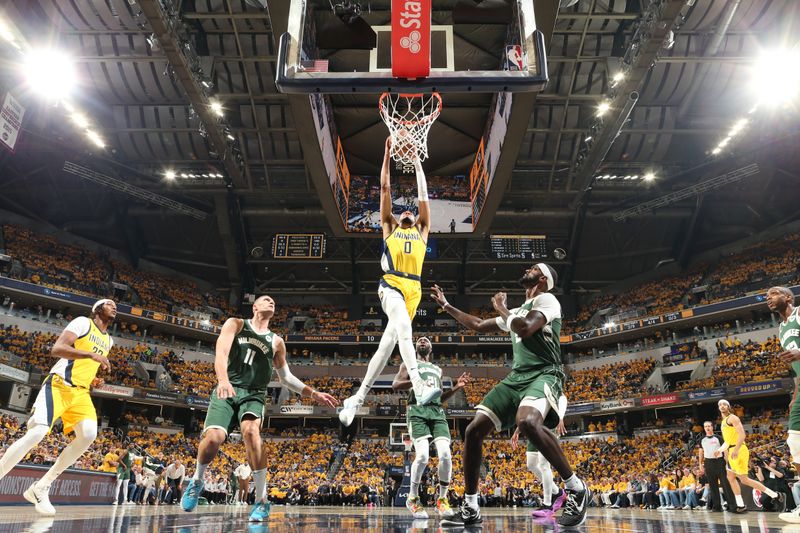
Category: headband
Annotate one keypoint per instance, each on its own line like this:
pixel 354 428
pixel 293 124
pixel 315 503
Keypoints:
pixel 99 303
pixel 548 274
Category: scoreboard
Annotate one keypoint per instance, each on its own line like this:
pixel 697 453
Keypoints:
pixel 298 246
pixel 518 246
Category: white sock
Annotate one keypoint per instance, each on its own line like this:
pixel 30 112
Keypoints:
pixel 85 433
pixel 739 501
pixel 472 500
pixel 548 485
pixel 445 470
pixel 444 486
pixel 378 361
pixel 260 479
pixel 15 453
pixel 414 490
pixel 201 470
pixel 574 483
pixel 421 456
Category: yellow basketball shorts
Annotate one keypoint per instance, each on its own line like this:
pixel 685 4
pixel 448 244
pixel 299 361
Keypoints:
pixel 57 400
pixel 410 290
pixel 740 465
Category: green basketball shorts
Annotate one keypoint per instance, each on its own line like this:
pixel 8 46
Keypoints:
pixel 225 414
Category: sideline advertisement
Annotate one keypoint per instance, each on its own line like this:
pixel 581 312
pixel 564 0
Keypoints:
pixel 73 486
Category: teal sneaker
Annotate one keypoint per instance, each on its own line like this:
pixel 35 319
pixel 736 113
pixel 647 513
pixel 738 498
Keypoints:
pixel 260 512
pixel 192 494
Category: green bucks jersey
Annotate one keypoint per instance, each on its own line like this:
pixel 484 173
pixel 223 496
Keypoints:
pixel 543 348
pixel 432 376
pixel 250 359
pixel 789 335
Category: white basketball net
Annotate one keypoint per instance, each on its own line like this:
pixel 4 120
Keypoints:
pixel 409 118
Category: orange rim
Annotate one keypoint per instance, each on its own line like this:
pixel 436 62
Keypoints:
pixel 427 118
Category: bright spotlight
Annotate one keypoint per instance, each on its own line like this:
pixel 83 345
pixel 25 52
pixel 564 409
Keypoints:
pixel 739 126
pixel 95 138
pixel 775 77
pixel 618 77
pixel 716 150
pixel 50 73
pixel 169 174
pixel 603 108
pixel 80 120
pixel 609 324
pixel 216 107
pixel 649 176
pixel 231 137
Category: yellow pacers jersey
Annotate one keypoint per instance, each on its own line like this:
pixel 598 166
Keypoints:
pixel 730 436
pixel 81 372
pixel 403 254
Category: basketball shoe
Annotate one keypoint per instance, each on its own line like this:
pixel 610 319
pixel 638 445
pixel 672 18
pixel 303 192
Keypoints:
pixel 39 497
pixel 192 494
pixel 415 506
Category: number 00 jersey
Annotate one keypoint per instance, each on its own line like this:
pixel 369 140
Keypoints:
pixel 250 359
pixel 789 335
pixel 81 372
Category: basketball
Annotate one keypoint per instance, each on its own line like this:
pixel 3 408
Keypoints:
pixel 403 147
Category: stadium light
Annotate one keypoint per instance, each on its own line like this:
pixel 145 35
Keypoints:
pixel 216 107
pixel 169 174
pixel 618 77
pixel 95 138
pixel 603 108
pixel 80 120
pixel 649 176
pixel 49 73
pixel 609 324
pixel 775 77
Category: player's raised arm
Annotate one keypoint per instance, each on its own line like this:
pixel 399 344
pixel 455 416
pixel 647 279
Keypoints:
pixel 462 381
pixel 293 383
pixel 424 218
pixel 535 320
pixel 467 320
pixel 388 222
pixel 230 328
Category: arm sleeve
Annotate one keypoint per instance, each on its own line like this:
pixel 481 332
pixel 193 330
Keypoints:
pixel 79 326
pixel 289 380
pixel 562 406
pixel 548 305
pixel 501 324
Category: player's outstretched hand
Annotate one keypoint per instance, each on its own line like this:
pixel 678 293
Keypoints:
pixel 225 390
pixel 463 380
pixel 515 439
pixel 499 301
pixel 790 356
pixel 97 382
pixel 438 296
pixel 323 398
pixel 561 430
pixel 388 144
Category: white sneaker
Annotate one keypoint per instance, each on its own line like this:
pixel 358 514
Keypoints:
pixel 115 502
pixel 39 497
pixel 349 408
pixel 793 517
pixel 415 506
pixel 427 395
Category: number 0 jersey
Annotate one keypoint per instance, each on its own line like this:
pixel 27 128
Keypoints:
pixel 250 359
pixel 403 254
pixel 81 372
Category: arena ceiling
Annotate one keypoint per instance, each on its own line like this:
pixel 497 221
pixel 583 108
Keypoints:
pixel 139 97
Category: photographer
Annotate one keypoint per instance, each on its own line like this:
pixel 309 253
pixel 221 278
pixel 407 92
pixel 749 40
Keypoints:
pixel 773 477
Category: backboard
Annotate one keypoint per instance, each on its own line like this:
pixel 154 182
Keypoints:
pixel 356 46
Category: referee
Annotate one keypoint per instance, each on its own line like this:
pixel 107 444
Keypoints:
pixel 715 469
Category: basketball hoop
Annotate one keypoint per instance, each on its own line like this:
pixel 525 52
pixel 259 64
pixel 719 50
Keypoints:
pixel 409 118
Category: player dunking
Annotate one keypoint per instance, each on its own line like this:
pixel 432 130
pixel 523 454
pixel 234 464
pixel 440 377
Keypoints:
pixel 553 497
pixel 526 395
pixel 399 290
pixel 82 348
pixel 781 300
pixel 428 422
pixel 246 352
pixel 738 457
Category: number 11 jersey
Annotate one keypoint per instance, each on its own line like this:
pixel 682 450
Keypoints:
pixel 250 359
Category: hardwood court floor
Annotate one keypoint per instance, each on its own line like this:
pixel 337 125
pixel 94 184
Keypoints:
pixel 224 519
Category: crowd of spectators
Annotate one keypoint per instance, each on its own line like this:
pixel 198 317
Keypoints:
pixel 606 382
pixel 739 363
pixel 88 272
